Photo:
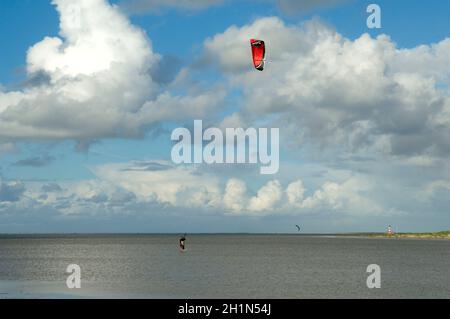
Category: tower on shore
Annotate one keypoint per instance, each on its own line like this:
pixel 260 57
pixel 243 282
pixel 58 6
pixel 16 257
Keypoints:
pixel 389 230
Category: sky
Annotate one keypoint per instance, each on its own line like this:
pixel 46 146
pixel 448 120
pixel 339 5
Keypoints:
pixel 91 90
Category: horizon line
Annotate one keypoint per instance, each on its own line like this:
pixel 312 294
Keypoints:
pixel 210 233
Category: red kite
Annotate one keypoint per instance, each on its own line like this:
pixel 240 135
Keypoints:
pixel 259 53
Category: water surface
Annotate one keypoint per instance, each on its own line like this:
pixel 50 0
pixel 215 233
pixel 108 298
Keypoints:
pixel 223 266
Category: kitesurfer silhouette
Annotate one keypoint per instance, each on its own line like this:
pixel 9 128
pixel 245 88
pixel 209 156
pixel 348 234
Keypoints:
pixel 183 243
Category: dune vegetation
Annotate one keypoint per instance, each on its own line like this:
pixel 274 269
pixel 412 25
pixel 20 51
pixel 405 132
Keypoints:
pixel 442 234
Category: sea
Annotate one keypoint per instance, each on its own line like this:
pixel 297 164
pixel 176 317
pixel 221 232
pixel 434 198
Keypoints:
pixel 122 266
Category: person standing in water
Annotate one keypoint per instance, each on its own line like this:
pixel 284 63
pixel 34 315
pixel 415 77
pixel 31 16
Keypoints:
pixel 183 243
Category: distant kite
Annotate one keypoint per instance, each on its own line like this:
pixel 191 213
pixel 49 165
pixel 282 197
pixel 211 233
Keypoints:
pixel 298 227
pixel 258 53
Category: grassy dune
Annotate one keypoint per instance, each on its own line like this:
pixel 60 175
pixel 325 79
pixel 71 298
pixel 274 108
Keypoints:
pixel 442 234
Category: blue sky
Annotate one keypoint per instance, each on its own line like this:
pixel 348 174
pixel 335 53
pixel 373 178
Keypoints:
pixel 349 162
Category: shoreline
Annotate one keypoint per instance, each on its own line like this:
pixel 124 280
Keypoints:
pixel 436 235
pixel 433 235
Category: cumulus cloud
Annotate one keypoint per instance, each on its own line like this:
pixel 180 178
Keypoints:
pixel 267 197
pixel 235 197
pixel 295 192
pixel 98 83
pixel 186 186
pixel 173 185
pixel 121 188
pixel 365 95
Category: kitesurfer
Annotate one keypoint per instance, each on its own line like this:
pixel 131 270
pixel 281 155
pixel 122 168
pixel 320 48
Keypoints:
pixel 183 243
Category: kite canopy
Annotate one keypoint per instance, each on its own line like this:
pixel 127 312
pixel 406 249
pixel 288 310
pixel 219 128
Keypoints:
pixel 259 53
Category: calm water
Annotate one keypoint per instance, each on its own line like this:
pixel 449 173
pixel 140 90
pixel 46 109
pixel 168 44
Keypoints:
pixel 223 266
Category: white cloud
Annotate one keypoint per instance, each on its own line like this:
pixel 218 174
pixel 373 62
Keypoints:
pixel 235 197
pixel 349 197
pixel 167 184
pixel 99 83
pixel 267 197
pixel 295 193
pixel 94 38
pixel 120 187
pixel 365 95
pixel 187 186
